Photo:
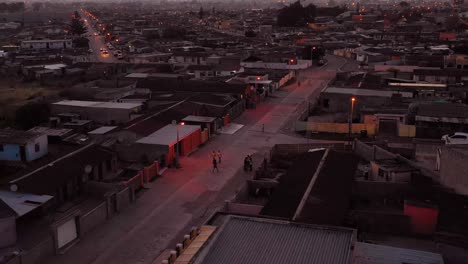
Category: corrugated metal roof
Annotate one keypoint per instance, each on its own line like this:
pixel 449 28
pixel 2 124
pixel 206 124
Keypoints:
pixel 260 241
pixel 378 254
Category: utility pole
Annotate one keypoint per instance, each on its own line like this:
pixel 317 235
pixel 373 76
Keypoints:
pixel 350 119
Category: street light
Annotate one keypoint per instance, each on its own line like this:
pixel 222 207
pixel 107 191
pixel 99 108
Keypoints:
pixel 174 122
pixel 350 118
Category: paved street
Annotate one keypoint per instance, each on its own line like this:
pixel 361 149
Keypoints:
pixel 188 196
pixel 96 43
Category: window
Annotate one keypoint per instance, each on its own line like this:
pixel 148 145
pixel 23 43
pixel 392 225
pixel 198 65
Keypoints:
pixel 37 147
pixel 1 148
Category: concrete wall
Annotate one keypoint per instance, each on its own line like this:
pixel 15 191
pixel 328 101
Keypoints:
pixel 41 251
pixel 389 223
pixel 31 153
pixel 10 153
pixel 7 231
pixel 123 199
pixel 406 130
pixel 454 170
pixel 244 209
pixel 337 128
pixel 369 153
pixel 93 218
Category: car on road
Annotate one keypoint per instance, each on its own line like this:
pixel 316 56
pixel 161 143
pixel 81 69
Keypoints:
pixel 96 34
pixel 105 52
pixel 101 49
pixel 90 51
pixel 458 138
pixel 120 56
pixel 117 52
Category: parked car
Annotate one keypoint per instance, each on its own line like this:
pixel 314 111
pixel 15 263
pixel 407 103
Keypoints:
pixel 458 138
pixel 120 56
pixel 105 52
pixel 90 51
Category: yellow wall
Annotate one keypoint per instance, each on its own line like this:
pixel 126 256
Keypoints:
pixel 406 130
pixel 340 128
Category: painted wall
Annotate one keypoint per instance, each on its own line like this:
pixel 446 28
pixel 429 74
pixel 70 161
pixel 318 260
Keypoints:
pixel 31 153
pixel 423 218
pixel 340 128
pixel 10 153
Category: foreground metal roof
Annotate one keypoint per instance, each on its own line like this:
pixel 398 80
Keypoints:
pixel 253 240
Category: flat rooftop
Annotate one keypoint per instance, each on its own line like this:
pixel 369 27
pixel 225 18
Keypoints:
pixel 367 92
pixel 102 130
pixel 241 240
pixel 18 137
pixel 168 135
pixel 366 253
pixel 201 119
pixel 97 104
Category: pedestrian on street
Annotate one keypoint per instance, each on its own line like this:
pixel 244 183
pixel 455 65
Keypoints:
pixel 246 163
pixel 219 156
pixel 214 154
pixel 215 165
pixel 250 162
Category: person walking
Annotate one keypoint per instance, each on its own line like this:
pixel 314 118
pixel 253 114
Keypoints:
pixel 219 156
pixel 246 163
pixel 215 165
pixel 250 162
pixel 214 154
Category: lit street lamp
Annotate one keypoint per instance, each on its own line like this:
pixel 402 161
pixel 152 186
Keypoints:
pixel 176 160
pixel 350 119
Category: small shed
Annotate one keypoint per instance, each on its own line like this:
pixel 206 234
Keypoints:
pixel 165 139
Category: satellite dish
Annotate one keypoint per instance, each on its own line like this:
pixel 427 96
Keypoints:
pixel 13 187
pixel 88 169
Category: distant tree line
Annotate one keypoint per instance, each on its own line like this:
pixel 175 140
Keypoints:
pixel 296 15
pixel 11 7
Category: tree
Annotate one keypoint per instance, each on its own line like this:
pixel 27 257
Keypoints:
pixel 77 26
pixel 200 13
pixel 404 4
pixel 76 15
pixel 295 15
pixel 31 115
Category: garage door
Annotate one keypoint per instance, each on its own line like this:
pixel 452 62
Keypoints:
pixel 66 233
